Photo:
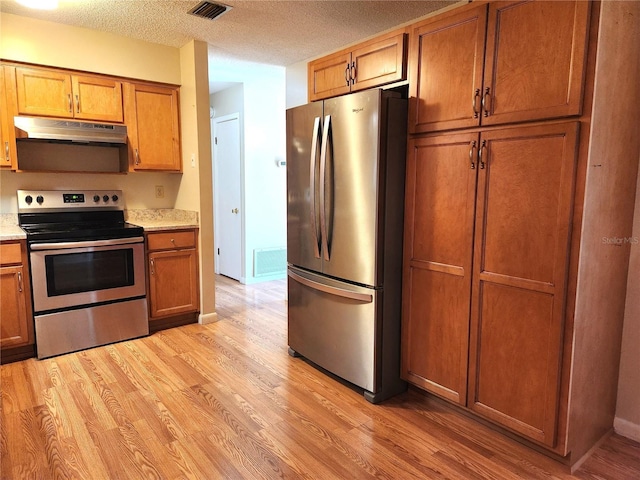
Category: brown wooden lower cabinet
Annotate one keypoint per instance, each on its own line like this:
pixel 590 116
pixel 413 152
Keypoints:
pixel 173 278
pixel 488 334
pixel 16 318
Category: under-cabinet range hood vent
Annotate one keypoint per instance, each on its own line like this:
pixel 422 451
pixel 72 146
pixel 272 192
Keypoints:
pixel 69 131
pixel 209 10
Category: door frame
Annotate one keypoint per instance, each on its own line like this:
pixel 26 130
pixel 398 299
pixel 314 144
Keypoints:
pixel 216 203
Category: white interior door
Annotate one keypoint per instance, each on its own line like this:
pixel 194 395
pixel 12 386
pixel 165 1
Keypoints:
pixel 228 195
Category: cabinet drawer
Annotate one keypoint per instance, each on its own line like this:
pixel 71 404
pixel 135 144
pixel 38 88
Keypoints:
pixel 10 254
pixel 171 240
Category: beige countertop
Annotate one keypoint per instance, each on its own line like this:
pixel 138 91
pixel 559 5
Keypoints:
pixel 150 220
pixel 9 229
pixel 162 219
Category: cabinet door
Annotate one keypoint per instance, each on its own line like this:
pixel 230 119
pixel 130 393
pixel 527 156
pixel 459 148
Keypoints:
pixel 14 327
pixel 446 73
pixel 154 130
pixel 523 219
pixel 380 62
pixel 440 203
pixel 97 98
pixel 173 282
pixel 535 60
pixel 7 143
pixel 44 92
pixel 329 76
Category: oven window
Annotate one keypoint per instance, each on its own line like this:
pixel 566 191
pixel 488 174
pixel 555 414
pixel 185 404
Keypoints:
pixel 88 271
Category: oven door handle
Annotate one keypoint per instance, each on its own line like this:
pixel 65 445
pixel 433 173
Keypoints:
pixel 90 243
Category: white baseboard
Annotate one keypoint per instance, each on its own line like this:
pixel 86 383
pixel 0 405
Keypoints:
pixel 626 428
pixel 207 318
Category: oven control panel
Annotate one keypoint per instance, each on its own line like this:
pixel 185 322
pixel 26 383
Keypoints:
pixel 63 200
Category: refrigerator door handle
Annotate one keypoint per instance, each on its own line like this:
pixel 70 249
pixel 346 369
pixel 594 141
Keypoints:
pixel 312 185
pixel 323 171
pixel 340 292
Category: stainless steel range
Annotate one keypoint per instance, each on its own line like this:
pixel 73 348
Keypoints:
pixel 87 269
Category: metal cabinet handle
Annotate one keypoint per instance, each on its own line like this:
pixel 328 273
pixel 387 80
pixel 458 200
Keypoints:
pixel 476 95
pixel 77 104
pixel 153 266
pixel 137 162
pixel 7 155
pixel 473 147
pixel 347 75
pixel 353 73
pixel 19 281
pixel 483 147
pixel 70 103
pixel 485 100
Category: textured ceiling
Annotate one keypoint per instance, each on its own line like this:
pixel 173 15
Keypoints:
pixel 273 32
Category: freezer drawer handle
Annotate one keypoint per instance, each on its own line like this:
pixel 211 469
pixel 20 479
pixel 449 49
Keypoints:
pixel 341 292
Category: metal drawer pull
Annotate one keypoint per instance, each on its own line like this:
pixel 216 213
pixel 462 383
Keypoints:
pixel 341 292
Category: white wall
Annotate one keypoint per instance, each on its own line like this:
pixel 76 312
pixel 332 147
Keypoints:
pixel 263 117
pixel 297 84
pixel 627 421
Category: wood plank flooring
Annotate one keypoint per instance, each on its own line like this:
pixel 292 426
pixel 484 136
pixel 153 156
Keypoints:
pixel 225 401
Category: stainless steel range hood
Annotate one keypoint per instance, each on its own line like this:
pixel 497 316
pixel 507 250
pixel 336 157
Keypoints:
pixel 69 131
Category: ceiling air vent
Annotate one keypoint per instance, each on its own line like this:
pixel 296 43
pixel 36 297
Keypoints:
pixel 209 10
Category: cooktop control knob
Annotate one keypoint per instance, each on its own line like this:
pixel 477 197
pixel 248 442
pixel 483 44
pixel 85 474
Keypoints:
pixel 28 199
pixel 39 199
pixel 96 198
pixel 105 198
pixel 114 198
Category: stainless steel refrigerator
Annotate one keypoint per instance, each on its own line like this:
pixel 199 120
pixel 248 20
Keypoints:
pixel 345 201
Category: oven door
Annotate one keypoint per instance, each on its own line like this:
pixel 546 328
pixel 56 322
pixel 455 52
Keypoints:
pixel 71 274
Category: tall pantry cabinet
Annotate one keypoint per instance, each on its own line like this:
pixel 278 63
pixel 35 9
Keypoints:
pixel 522 161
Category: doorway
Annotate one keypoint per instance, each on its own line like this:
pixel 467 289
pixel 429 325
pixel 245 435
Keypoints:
pixel 228 208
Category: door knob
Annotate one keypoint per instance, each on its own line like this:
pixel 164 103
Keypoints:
pixel 235 210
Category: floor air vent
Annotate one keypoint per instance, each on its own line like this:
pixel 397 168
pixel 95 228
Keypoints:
pixel 209 10
pixel 269 261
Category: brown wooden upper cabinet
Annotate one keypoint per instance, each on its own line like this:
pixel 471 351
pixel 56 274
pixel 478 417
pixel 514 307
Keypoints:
pixel 59 94
pixel 373 63
pixel 153 125
pixel 532 67
pixel 7 143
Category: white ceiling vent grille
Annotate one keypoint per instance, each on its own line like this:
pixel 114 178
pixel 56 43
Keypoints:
pixel 209 10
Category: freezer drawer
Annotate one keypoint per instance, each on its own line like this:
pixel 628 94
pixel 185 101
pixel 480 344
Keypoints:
pixel 334 324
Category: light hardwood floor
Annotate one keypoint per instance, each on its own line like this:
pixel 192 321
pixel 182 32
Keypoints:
pixel 225 401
